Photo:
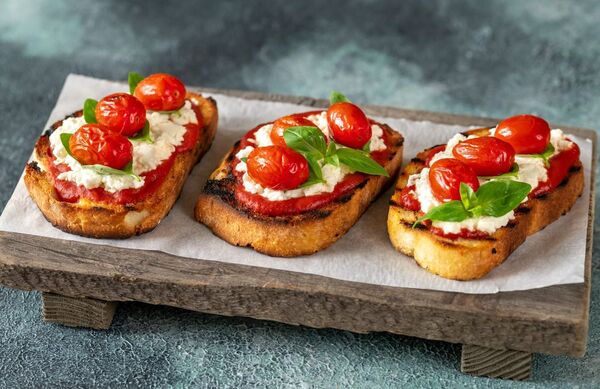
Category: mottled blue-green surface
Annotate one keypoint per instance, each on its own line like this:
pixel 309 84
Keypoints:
pixel 491 58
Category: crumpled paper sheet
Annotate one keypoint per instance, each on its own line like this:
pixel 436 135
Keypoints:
pixel 553 256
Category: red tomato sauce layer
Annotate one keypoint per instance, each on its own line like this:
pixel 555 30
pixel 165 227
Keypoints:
pixel 70 192
pixel 560 164
pixel 260 205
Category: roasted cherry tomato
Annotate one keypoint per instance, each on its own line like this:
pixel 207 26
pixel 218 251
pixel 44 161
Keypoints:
pixel 487 156
pixel 160 92
pixel 283 123
pixel 277 167
pixel 122 113
pixel 408 199
pixel 445 176
pixel 94 144
pixel 527 134
pixel 432 152
pixel 558 170
pixel 349 125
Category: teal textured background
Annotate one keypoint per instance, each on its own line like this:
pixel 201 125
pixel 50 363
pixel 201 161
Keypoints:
pixel 492 58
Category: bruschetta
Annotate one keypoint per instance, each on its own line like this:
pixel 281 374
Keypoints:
pixel 296 185
pixel 115 168
pixel 462 208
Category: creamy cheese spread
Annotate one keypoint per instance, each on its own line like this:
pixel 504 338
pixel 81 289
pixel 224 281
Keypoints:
pixel 167 131
pixel 332 175
pixel 531 171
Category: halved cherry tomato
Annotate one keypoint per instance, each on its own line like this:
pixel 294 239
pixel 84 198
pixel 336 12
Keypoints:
pixel 527 134
pixel 277 167
pixel 349 125
pixel 122 113
pixel 445 176
pixel 285 122
pixel 94 144
pixel 487 156
pixel 432 152
pixel 160 92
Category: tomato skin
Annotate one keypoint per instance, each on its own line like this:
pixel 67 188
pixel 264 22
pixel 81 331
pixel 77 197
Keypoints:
pixel 487 156
pixel 161 92
pixel 277 167
pixel 408 200
pixel 445 176
pixel 349 125
pixel 285 122
pixel 558 170
pixel 527 134
pixel 94 144
pixel 122 113
pixel 432 152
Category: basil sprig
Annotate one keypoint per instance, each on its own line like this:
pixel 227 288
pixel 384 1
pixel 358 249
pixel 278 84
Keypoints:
pixel 545 155
pixel 337 97
pixel 310 142
pixel 100 169
pixel 89 110
pixel 494 198
pixel 133 79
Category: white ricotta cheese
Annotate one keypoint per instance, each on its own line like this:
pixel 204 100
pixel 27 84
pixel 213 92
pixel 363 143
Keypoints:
pixel 167 131
pixel 331 174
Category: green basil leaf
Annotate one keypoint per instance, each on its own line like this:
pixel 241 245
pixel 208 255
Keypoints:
pixel 315 173
pixel 133 79
pixel 514 172
pixel 360 162
pixel 497 198
pixel 105 170
pixel 337 97
pixel 367 147
pixel 315 169
pixel 311 181
pixel 467 196
pixel 89 110
pixel 64 139
pixel 306 140
pixel 144 134
pixel 244 159
pixel 545 155
pixel 331 149
pixel 333 160
pixel 453 211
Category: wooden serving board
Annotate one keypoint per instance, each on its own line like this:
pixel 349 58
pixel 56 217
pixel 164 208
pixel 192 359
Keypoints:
pixel 81 284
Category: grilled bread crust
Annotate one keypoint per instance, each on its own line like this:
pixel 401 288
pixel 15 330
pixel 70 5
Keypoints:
pixel 288 236
pixel 106 220
pixel 468 259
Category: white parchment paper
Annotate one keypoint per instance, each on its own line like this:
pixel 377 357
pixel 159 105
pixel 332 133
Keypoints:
pixel 554 256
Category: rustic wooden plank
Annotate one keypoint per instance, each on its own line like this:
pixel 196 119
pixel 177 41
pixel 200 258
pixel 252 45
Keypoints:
pixel 551 320
pixel 78 312
pixel 489 362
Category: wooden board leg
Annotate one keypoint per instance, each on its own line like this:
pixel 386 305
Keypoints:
pixel 489 362
pixel 78 312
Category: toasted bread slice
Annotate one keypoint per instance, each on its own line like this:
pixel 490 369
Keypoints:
pixel 468 259
pixel 288 236
pixel 105 220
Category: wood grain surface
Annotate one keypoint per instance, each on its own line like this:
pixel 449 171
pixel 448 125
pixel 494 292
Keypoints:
pixel 552 320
